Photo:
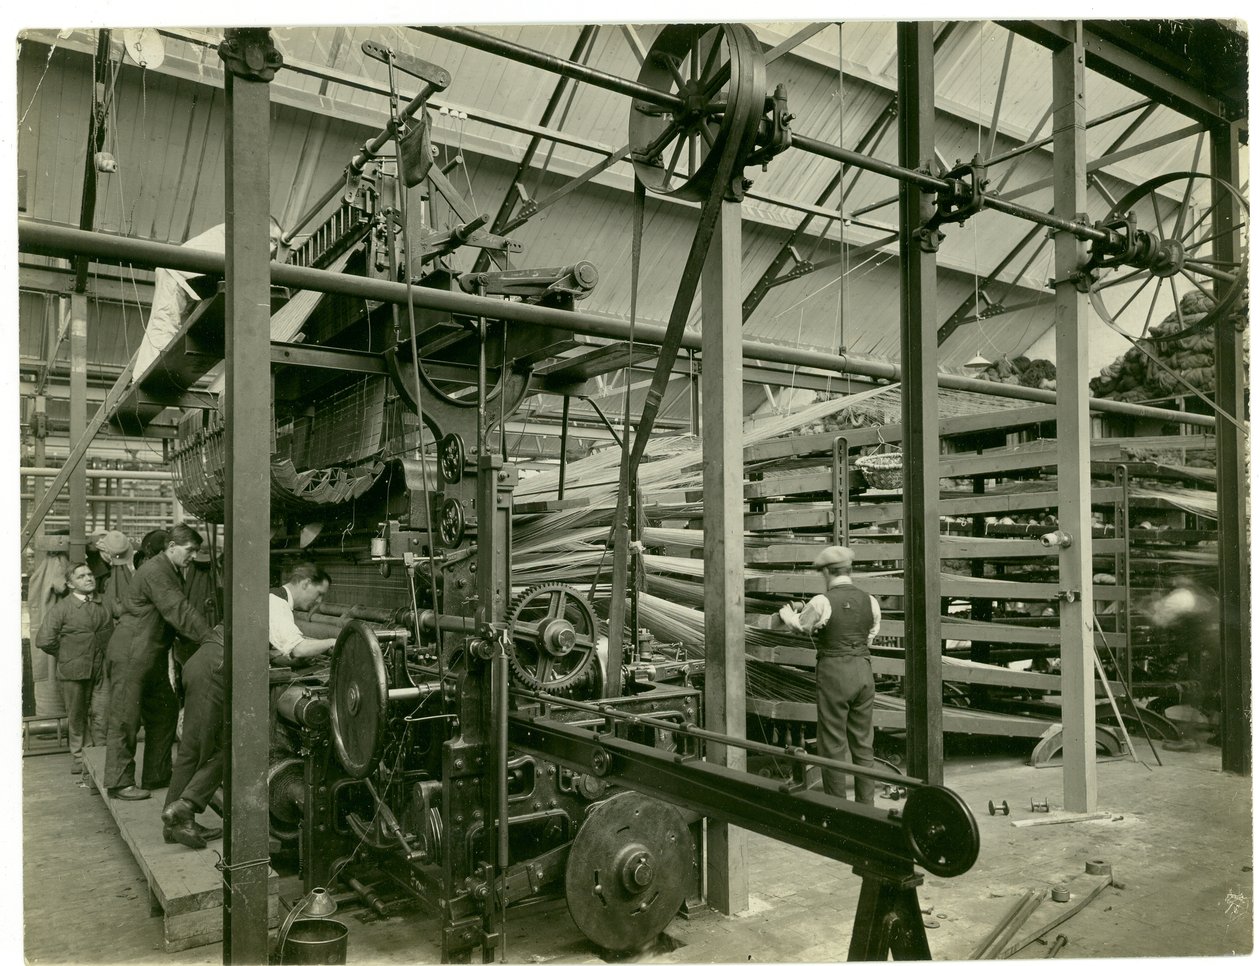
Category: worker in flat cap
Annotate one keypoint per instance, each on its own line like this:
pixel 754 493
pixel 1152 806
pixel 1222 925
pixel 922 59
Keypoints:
pixel 842 621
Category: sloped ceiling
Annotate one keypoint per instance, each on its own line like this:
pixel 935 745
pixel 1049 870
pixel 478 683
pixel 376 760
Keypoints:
pixel 165 129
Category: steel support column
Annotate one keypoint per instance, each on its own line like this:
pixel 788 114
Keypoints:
pixel 723 420
pixel 916 133
pixel 1233 544
pixel 1071 321
pixel 78 424
pixel 248 495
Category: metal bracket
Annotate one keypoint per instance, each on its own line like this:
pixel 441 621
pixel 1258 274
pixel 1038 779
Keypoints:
pixel 437 78
pixel 954 205
pixel 778 138
pixel 248 53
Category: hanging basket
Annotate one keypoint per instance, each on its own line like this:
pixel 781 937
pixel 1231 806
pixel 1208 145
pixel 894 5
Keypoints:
pixel 882 470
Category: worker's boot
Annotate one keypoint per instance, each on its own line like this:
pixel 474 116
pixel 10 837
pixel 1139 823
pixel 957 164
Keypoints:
pixel 179 812
pixel 185 834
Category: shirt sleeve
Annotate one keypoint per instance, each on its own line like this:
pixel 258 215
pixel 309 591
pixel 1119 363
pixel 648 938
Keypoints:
pixel 877 615
pixel 282 630
pixel 815 614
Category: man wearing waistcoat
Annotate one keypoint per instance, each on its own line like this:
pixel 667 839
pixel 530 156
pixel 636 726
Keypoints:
pixel 842 621
pixel 305 584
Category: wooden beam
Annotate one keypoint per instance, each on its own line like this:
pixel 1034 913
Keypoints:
pixel 1008 418
pixel 722 415
pixel 78 423
pixel 1231 463
pixel 1076 609
pixel 247 443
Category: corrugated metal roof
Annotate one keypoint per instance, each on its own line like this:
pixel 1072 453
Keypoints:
pixel 165 128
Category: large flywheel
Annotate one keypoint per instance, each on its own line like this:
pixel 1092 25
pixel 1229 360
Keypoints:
pixel 629 870
pixel 359 697
pixel 718 71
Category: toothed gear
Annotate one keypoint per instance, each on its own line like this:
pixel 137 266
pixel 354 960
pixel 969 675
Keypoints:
pixel 552 632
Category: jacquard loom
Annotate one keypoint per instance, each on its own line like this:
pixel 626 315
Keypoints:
pixel 475 744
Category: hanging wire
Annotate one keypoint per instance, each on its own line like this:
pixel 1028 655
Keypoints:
pixel 883 257
pixel 38 85
pixel 839 341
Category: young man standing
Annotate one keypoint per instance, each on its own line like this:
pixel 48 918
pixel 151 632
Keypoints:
pixel 154 611
pixel 76 632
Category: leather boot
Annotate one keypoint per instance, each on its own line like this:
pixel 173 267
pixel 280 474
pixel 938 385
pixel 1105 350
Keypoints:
pixel 185 835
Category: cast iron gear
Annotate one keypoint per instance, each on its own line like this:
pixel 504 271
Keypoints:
pixel 551 632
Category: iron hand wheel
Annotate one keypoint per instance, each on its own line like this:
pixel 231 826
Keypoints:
pixel 630 867
pixel 451 457
pixel 451 523
pixel 940 830
pixel 359 699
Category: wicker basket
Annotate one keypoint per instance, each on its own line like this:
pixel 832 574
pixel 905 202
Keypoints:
pixel 882 470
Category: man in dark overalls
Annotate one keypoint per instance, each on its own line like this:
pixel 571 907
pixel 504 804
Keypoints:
pixel 842 621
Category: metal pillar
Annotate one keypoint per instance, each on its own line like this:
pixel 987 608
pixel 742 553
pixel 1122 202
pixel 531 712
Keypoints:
pixel 1071 320
pixel 723 425
pixel 916 134
pixel 1233 544
pixel 78 424
pixel 250 62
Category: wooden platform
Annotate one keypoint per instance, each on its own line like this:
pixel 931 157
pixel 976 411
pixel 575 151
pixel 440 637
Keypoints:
pixel 185 888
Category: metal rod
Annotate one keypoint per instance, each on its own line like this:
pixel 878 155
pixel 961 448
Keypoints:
pixel 557 65
pixel 1041 142
pixel 161 475
pixel 604 710
pixel 564 446
pixel 58 240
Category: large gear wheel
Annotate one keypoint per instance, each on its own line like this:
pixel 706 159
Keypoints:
pixel 552 630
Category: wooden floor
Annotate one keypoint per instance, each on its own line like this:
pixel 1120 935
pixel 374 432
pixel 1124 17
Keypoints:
pixel 1180 845
pixel 185 885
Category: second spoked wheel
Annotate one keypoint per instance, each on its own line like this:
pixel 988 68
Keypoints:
pixel 1184 251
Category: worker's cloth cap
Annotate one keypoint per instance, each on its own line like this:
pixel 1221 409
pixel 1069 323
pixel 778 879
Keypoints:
pixel 834 557
pixel 114 546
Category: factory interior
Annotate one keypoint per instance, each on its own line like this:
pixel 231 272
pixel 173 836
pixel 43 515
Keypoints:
pixel 659 492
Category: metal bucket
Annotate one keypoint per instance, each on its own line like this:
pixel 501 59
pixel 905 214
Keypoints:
pixel 321 941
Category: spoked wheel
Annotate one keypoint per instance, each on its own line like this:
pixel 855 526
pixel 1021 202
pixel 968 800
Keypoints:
pixel 1176 257
pixel 718 71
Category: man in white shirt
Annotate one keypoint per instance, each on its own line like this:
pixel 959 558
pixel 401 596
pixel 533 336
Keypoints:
pixel 305 584
pixel 843 621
